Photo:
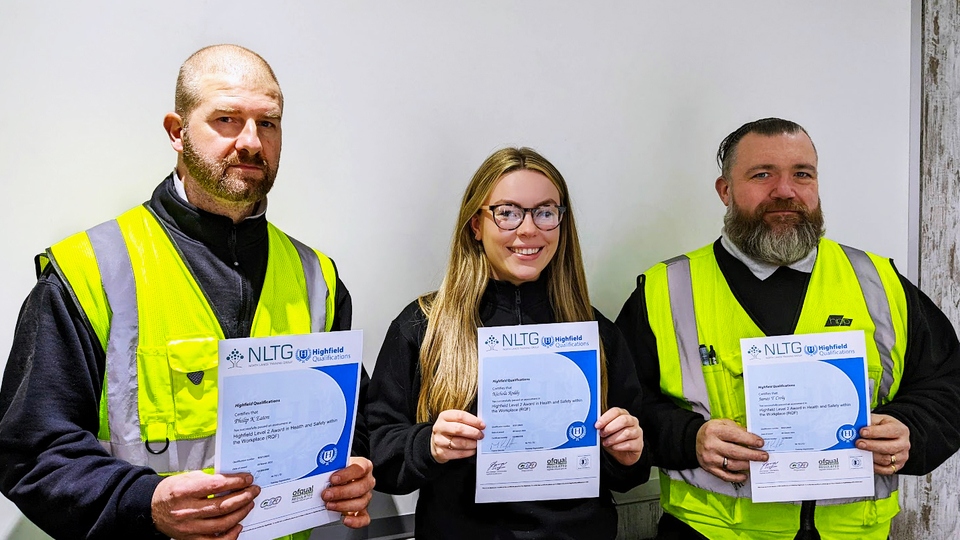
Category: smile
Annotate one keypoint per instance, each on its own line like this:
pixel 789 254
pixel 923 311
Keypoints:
pixel 526 251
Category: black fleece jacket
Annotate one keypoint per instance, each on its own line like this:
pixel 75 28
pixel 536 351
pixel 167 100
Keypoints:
pixel 446 508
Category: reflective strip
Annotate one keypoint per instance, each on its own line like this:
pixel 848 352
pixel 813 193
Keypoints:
pixel 879 309
pixel 120 287
pixel 180 456
pixel 316 286
pixel 680 288
pixel 883 486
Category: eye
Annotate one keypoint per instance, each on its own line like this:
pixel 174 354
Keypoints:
pixel 225 120
pixel 762 175
pixel 266 124
pixel 545 212
pixel 508 212
pixel 804 174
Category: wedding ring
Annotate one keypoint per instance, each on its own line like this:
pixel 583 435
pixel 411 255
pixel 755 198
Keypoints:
pixel 725 464
pixel 450 445
pixel 893 459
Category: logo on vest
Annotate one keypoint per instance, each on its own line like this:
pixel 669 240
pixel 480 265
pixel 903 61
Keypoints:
pixel 837 320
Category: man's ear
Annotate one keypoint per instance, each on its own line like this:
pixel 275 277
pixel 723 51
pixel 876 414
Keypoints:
pixel 723 190
pixel 173 125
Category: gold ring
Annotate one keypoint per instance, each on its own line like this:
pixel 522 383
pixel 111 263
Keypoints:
pixel 450 445
pixel 894 469
pixel 893 459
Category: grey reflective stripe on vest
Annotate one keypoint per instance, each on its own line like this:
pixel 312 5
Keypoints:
pixel 680 288
pixel 879 309
pixel 119 284
pixel 316 286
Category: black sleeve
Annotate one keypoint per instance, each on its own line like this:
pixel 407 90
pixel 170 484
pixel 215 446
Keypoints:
pixel 670 431
pixel 51 464
pixel 623 390
pixel 401 456
pixel 928 400
pixel 342 320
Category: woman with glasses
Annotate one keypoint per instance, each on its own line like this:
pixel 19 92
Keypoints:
pixel 515 260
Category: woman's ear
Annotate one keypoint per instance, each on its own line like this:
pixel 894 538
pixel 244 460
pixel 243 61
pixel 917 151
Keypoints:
pixel 475 227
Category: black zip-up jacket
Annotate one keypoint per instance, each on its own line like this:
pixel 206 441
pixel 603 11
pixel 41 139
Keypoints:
pixel 445 508
pixel 51 464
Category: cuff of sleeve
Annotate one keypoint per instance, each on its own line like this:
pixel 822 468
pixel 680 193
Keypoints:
pixel 422 458
pixel 137 504
pixel 689 448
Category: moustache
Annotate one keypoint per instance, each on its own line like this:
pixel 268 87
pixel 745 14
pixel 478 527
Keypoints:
pixel 783 205
pixel 255 160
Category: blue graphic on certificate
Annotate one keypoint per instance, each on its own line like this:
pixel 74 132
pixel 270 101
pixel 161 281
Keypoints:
pixel 538 394
pixel 807 397
pixel 287 408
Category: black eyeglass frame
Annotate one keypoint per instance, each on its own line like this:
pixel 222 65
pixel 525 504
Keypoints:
pixel 561 210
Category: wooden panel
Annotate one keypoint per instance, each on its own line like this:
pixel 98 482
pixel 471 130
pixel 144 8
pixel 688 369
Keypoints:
pixel 931 503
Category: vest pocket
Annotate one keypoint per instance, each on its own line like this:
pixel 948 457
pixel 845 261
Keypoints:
pixel 193 377
pixel 725 391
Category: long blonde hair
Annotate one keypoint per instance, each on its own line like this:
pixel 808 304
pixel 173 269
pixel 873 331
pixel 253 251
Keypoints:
pixel 448 356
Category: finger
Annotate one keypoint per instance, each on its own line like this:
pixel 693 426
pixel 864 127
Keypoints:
pixel 213 507
pixel 354 504
pixel 219 525
pixel 361 519
pixel 351 490
pixel 610 415
pixel 358 468
pixel 617 423
pixel 456 429
pixel 629 433
pixel 461 417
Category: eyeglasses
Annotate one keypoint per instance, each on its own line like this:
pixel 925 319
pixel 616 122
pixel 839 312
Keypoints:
pixel 509 216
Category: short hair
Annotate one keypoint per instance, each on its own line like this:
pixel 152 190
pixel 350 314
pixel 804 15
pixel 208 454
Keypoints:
pixel 224 58
pixel 765 126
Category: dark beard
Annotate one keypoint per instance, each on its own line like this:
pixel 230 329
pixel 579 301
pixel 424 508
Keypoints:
pixel 214 178
pixel 782 243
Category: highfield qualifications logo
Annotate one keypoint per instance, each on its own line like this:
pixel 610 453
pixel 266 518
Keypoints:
pixel 327 454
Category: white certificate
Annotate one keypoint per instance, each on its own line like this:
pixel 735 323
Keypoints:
pixel 539 397
pixel 807 396
pixel 287 407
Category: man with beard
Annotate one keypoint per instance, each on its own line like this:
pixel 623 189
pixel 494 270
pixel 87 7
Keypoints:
pixel 108 405
pixel 771 273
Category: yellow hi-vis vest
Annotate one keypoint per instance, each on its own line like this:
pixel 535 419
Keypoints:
pixel 158 407
pixel 690 303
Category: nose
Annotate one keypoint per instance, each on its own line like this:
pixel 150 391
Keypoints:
pixel 249 138
pixel 783 188
pixel 527 226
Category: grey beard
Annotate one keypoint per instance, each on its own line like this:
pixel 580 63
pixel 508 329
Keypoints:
pixel 761 242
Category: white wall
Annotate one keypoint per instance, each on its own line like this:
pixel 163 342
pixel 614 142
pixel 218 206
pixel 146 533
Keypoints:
pixel 391 106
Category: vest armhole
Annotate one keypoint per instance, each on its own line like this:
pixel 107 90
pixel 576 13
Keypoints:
pixel 74 306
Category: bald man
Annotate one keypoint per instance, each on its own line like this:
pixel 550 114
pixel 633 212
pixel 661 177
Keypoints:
pixel 108 402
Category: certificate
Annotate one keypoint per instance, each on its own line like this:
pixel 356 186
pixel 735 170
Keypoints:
pixel 538 395
pixel 286 412
pixel 806 395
